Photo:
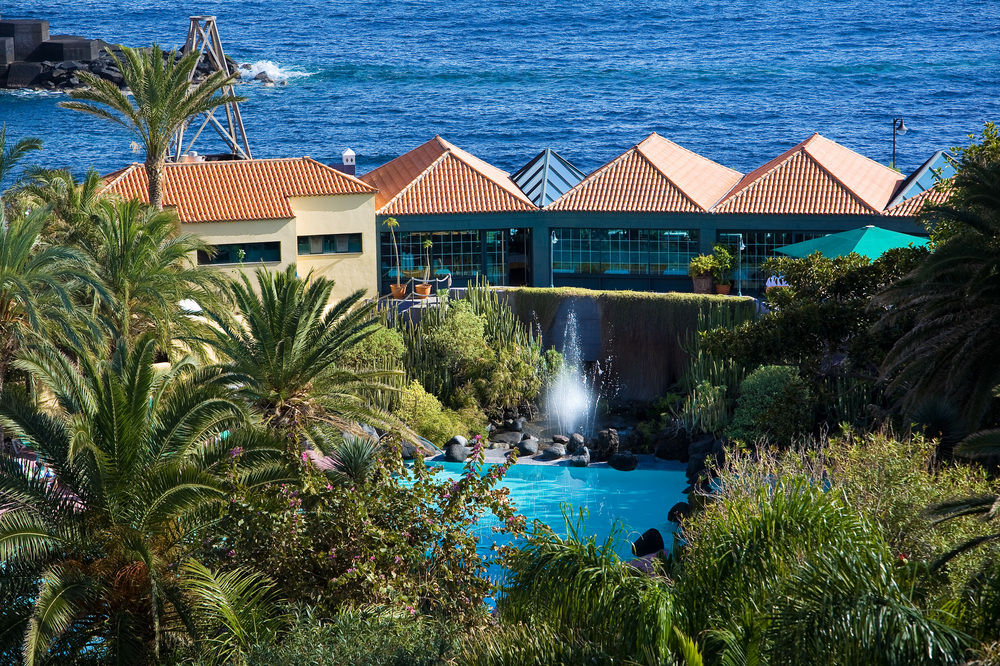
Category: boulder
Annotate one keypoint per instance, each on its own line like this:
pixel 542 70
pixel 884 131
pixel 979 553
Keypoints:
pixel 607 444
pixel 650 542
pixel 409 450
pixel 262 76
pixel 517 425
pixel 678 512
pixel 554 452
pixel 701 445
pixel 672 445
pixel 581 458
pixel 623 461
pixel 455 452
pixel 457 439
pixel 527 447
pixel 506 438
pixel 560 439
pixel 576 440
pixel 696 467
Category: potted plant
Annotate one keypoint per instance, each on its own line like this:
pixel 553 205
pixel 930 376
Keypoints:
pixel 397 289
pixel 723 269
pixel 423 290
pixel 701 269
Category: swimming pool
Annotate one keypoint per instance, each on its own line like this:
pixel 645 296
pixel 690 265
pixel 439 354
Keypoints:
pixel 640 499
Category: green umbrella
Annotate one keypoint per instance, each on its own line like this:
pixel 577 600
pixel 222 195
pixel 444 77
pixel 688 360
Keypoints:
pixel 870 241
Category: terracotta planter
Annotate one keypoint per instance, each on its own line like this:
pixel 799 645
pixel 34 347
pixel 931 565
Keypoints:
pixel 422 290
pixel 723 289
pixel 398 291
pixel 702 284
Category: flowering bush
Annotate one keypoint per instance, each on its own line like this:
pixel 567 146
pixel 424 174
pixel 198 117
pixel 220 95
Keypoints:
pixel 400 538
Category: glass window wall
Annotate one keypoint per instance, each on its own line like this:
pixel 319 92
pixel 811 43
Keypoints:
pixel 242 253
pixel 759 246
pixel 624 251
pixel 330 244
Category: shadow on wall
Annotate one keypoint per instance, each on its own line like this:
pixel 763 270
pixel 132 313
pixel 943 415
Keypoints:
pixel 641 333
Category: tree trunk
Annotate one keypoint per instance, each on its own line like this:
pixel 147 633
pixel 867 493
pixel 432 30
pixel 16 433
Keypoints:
pixel 154 174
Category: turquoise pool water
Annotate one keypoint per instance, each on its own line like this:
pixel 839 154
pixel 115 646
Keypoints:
pixel 639 499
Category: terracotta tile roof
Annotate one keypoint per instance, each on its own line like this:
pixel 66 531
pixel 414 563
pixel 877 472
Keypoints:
pixel 911 207
pixel 818 177
pixel 237 189
pixel 439 178
pixel 656 175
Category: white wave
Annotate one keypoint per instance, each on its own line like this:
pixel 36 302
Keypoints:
pixel 273 70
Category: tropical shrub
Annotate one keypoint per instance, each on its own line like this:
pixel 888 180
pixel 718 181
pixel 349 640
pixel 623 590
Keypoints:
pixel 774 405
pixel 702 265
pixel 572 600
pixel 367 636
pixel 787 571
pixel 397 537
pixel 431 420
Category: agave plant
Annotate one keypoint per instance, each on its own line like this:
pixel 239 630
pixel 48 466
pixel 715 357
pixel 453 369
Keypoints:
pixel 283 347
pixel 128 461
pixel 354 457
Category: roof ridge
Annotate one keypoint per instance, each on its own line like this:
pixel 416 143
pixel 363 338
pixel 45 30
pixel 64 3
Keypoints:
pixel 423 174
pixel 338 172
pixel 593 175
pixel 118 175
pixel 778 160
pixel 864 157
pixel 667 178
pixel 459 154
pixel 690 152
pixel 854 195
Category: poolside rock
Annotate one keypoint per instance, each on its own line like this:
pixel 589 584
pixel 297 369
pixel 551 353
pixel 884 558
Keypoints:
pixel 457 439
pixel 560 439
pixel 455 451
pixel 607 444
pixel 678 512
pixel 507 439
pixel 408 450
pixel 696 467
pixel 673 444
pixel 581 458
pixel 650 542
pixel 623 461
pixel 527 447
pixel 554 452
pixel 701 445
pixel 576 440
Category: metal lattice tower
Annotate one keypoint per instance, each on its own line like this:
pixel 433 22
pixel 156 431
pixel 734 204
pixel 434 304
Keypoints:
pixel 203 36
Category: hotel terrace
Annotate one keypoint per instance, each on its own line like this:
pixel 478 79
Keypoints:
pixel 635 222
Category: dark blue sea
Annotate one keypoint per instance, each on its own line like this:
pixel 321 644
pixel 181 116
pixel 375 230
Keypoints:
pixel 736 81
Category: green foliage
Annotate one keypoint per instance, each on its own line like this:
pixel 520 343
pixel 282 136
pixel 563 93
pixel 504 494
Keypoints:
pixel 160 101
pixel 580 601
pixel 283 344
pixel 234 611
pixel 702 265
pixel 941 222
pixel 774 405
pixel 725 262
pixel 431 420
pixel 950 302
pixel 400 537
pixel 138 458
pixel 475 351
pixel 790 573
pixel 354 458
pixel 367 636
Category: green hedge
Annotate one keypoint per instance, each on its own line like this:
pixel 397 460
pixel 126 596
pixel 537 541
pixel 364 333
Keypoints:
pixel 643 332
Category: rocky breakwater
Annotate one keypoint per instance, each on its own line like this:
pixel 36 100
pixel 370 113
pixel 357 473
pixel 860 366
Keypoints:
pixel 32 58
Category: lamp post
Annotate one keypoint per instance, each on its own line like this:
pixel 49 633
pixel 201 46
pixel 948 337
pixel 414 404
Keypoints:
pixel 739 265
pixel 900 128
pixel 552 264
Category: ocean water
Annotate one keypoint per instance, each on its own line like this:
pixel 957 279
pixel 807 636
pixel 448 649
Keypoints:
pixel 736 81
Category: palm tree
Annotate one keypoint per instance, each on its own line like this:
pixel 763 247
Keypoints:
pixel 148 273
pixel 35 287
pixel 11 156
pixel 953 300
pixel 129 461
pixel 283 345
pixel 73 203
pixel 163 99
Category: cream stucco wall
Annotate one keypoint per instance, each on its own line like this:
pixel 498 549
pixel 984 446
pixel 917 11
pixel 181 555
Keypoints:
pixel 253 231
pixel 340 214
